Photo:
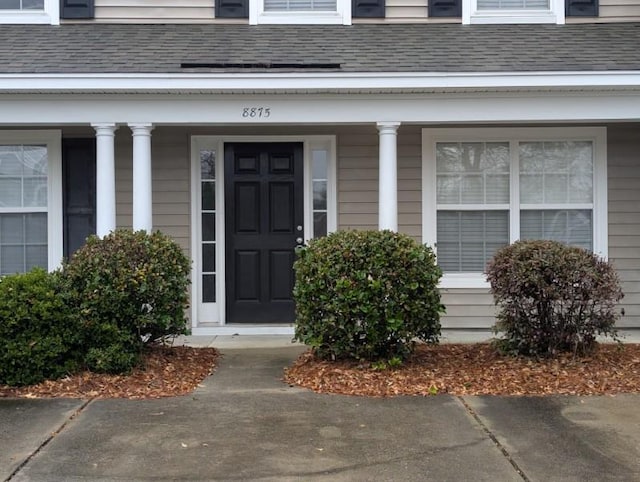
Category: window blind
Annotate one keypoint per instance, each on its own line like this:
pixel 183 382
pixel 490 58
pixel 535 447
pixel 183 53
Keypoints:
pixel 513 5
pixel 300 5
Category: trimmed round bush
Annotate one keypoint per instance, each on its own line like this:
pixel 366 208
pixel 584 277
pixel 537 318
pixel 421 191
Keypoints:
pixel 130 289
pixel 552 298
pixel 366 295
pixel 38 332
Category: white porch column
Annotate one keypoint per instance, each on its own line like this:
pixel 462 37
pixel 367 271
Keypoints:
pixel 105 179
pixel 388 175
pixel 142 197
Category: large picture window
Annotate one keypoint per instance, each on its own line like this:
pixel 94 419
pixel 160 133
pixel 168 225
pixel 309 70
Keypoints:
pixel 30 201
pixel 486 188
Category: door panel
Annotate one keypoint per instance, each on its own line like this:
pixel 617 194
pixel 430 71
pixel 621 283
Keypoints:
pixel 264 207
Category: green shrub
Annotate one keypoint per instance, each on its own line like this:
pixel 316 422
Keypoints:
pixel 130 288
pixel 366 295
pixel 552 297
pixel 38 332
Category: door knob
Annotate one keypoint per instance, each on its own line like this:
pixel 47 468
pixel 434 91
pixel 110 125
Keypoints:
pixel 299 240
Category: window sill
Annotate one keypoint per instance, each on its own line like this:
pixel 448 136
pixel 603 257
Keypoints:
pixel 512 17
pixel 464 280
pixel 28 18
pixel 301 18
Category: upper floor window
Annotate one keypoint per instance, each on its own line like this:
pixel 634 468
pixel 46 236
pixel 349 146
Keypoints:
pixel 22 4
pixel 513 11
pixel 30 11
pixel 300 11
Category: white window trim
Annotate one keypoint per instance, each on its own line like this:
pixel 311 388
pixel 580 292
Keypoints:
pixel 471 14
pixel 598 135
pixel 216 312
pixel 49 15
pixel 342 15
pixel 52 139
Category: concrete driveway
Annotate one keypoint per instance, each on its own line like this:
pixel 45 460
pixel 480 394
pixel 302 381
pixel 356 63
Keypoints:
pixel 245 424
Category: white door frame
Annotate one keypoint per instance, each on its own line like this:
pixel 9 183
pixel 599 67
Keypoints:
pixel 209 318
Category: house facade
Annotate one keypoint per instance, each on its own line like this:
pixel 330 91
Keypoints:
pixel 244 128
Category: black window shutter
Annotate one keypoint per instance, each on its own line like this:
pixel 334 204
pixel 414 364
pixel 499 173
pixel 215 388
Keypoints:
pixel 76 8
pixel 232 9
pixel 581 8
pixel 78 192
pixel 367 8
pixel 446 8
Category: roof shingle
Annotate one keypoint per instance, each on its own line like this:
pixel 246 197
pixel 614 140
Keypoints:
pixel 162 48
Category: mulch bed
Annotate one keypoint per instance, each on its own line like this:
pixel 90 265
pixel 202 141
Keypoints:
pixel 475 369
pixel 165 372
pixel 455 369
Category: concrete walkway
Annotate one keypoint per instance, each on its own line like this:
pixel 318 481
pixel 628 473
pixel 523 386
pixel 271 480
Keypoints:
pixel 245 424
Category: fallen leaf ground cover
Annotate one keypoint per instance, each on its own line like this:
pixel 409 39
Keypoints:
pixel 164 372
pixel 455 369
pixel 475 369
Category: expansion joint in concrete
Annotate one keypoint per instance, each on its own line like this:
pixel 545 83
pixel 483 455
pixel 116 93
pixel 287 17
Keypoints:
pixel 495 440
pixel 51 436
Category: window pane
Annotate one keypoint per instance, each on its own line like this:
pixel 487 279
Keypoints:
pixel 10 192
pixel 207 164
pixel 11 229
pixel 513 4
pixel 319 224
pixel 209 257
pixel 35 192
pixel 33 4
pixel 9 4
pixel 35 228
pixel 468 239
pixel 556 172
pixel 319 163
pixel 573 227
pixel 10 160
pixel 300 5
pixel 23 242
pixel 209 288
pixel 35 160
pixel 319 195
pixel 208 227
pixel 11 259
pixel 472 172
pixel 36 256
pixel 209 196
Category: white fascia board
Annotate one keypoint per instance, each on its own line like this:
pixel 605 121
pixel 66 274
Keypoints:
pixel 314 81
pixel 173 109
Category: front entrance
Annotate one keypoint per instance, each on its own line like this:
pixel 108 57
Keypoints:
pixel 264 219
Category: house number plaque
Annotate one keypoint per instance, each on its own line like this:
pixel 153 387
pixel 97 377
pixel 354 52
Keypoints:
pixel 256 112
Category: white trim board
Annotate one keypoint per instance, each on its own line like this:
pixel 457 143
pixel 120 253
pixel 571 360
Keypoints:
pixel 316 81
pixel 216 312
pixel 319 109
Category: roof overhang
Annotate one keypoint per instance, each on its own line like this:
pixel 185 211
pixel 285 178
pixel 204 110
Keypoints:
pixel 319 82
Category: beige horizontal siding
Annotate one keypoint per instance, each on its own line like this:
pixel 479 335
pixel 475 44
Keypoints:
pixel 397 11
pixel 467 308
pixel 357 152
pixel 357 178
pixel 624 215
pixel 171 182
pixel 154 10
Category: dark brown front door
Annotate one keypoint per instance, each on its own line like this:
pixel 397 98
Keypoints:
pixel 264 219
